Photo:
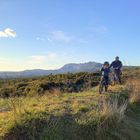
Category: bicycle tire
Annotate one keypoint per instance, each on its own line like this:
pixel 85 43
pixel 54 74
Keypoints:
pixel 101 86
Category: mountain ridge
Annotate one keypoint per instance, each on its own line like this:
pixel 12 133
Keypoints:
pixel 67 68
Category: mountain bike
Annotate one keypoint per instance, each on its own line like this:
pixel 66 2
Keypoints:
pixel 102 85
pixel 116 77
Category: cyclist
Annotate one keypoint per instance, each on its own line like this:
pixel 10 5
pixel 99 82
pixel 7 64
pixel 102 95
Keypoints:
pixel 105 75
pixel 117 65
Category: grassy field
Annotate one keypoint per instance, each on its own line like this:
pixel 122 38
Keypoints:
pixel 78 116
pixel 83 115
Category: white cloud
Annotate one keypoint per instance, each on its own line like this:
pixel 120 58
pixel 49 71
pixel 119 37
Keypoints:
pixel 99 29
pixel 37 38
pixel 51 56
pixel 44 39
pixel 40 39
pixel 8 33
pixel 64 37
pixel 37 59
pixel 61 36
pixel 50 40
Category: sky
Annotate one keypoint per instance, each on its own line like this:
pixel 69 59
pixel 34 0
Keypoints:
pixel 46 34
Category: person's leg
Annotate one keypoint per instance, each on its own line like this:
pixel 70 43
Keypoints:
pixel 119 77
pixel 106 83
pixel 101 84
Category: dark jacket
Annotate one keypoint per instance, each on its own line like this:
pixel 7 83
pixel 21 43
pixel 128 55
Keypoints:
pixel 116 65
pixel 105 71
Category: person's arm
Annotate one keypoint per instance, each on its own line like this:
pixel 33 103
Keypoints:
pixel 102 69
pixel 120 65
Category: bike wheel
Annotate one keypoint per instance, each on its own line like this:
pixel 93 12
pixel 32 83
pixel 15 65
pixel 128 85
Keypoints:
pixel 112 81
pixel 115 79
pixel 101 86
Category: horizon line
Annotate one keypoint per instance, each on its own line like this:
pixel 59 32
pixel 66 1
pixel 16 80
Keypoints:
pixel 22 70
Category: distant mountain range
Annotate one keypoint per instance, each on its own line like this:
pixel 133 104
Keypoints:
pixel 68 68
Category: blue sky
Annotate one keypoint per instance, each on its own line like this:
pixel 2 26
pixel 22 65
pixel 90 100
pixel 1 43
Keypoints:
pixel 46 34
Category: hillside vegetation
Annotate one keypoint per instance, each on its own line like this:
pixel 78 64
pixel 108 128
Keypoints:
pixel 58 115
pixel 63 82
pixel 41 85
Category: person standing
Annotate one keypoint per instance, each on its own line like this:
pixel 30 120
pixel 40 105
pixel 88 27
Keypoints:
pixel 117 65
pixel 105 76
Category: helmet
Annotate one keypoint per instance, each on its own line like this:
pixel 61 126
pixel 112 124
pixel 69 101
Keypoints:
pixel 106 63
pixel 117 57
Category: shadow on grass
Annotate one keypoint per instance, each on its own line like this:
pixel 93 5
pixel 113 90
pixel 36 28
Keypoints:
pixel 43 126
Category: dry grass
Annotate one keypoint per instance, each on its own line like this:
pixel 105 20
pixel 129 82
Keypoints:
pixel 55 92
pixel 88 112
pixel 112 107
pixel 133 86
pixel 111 112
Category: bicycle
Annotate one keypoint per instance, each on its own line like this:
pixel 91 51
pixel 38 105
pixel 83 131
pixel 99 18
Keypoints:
pixel 116 77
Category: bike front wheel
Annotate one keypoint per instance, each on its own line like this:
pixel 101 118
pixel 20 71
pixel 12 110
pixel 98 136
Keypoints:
pixel 101 86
